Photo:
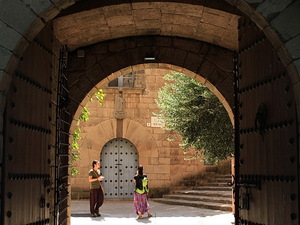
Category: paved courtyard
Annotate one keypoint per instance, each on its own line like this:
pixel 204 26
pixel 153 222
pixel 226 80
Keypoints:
pixel 121 212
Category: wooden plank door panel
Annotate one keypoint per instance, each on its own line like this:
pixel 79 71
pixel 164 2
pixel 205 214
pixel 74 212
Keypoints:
pixel 27 137
pixel 267 181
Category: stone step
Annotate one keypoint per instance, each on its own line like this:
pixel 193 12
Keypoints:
pixel 199 204
pixel 227 194
pixel 222 180
pixel 218 199
pixel 213 193
pixel 219 180
pixel 212 188
pixel 223 175
pixel 219 184
pixel 206 184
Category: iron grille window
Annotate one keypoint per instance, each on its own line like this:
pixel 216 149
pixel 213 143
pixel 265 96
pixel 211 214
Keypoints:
pixel 129 80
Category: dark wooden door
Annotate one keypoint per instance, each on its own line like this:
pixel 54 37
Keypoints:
pixel 28 136
pixel 36 138
pixel 267 152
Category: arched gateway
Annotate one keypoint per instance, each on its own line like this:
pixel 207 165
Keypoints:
pixel 245 52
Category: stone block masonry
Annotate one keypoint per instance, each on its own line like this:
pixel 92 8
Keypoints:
pixel 159 157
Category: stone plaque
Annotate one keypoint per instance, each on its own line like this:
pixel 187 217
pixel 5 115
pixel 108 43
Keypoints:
pixel 120 107
pixel 157 122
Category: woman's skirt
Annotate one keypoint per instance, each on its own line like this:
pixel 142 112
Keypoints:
pixel 140 202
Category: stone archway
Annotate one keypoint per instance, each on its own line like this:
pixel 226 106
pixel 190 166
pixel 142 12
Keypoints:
pixel 95 137
pixel 164 161
pixel 22 22
pixel 35 16
pixel 106 131
pixel 135 68
pixel 212 63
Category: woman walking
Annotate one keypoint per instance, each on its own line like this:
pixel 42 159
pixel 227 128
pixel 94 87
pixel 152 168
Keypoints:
pixel 141 192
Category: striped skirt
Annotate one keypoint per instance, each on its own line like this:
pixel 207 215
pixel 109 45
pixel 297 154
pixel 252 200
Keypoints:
pixel 140 203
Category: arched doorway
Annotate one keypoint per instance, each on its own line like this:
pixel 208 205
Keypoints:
pixel 119 161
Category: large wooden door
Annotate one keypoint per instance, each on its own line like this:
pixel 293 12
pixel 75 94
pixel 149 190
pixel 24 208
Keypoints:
pixel 267 152
pixel 119 162
pixel 29 136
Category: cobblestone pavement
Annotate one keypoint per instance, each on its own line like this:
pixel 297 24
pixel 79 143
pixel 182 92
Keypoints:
pixel 121 212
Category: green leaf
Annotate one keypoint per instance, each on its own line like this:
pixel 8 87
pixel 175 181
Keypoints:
pixel 195 113
pixel 84 116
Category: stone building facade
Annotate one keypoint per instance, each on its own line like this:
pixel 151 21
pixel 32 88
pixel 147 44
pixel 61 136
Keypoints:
pixel 127 114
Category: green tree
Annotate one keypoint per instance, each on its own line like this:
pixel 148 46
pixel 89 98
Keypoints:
pixel 191 110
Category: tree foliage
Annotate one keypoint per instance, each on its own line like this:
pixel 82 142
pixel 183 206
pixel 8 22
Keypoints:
pixel 195 113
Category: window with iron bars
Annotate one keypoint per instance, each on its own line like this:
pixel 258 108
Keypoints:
pixel 129 80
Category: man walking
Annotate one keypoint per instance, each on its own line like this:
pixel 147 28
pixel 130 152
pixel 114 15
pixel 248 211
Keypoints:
pixel 96 190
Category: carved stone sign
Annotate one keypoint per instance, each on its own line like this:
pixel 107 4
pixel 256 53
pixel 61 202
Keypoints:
pixel 120 107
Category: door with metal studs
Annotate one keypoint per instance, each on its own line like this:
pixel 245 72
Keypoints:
pixel 267 158
pixel 29 136
pixel 119 162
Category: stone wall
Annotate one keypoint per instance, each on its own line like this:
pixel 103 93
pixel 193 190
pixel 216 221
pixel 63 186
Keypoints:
pixel 163 161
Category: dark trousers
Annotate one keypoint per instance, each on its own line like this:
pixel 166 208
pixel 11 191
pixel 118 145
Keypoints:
pixel 96 199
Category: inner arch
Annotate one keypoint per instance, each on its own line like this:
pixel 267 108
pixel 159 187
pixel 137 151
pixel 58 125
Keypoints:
pixel 211 64
pixel 136 68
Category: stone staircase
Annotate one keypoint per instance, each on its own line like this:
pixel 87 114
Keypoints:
pixel 214 194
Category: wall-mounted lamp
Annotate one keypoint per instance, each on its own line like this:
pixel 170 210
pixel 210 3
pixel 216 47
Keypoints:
pixel 149 57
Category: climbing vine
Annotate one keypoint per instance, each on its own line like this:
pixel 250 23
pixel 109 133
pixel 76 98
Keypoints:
pixel 83 117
